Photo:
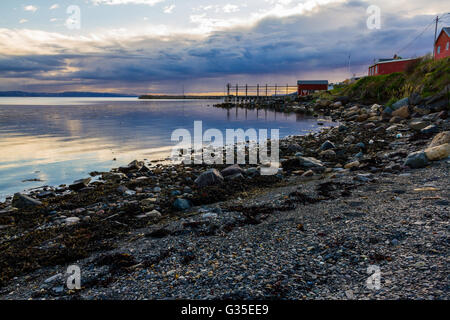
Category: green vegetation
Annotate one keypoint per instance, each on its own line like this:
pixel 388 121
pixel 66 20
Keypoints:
pixel 425 76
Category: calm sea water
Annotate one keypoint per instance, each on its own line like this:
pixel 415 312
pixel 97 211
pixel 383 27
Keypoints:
pixel 58 140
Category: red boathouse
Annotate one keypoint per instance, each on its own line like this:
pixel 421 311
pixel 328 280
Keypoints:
pixel 306 87
pixel 442 44
pixel 387 66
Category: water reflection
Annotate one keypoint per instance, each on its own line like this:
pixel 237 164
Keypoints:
pixel 66 139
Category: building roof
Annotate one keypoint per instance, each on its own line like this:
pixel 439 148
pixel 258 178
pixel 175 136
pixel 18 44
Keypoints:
pixel 381 61
pixel 446 30
pixel 312 82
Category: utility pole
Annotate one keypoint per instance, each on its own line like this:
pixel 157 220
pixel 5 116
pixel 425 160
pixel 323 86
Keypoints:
pixel 435 35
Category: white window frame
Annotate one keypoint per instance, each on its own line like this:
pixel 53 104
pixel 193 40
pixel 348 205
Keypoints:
pixel 448 45
pixel 438 50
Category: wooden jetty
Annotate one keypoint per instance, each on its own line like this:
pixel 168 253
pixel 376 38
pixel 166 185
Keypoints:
pixel 245 94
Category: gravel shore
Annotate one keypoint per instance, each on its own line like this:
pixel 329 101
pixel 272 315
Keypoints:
pixel 372 200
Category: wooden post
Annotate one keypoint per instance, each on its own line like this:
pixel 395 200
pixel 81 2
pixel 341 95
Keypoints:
pixel 276 87
pixel 257 90
pixel 266 90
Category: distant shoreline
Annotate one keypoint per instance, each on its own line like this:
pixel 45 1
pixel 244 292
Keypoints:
pixel 23 94
pixel 156 97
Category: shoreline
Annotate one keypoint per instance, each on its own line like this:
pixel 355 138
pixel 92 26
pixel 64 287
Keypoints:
pixel 96 218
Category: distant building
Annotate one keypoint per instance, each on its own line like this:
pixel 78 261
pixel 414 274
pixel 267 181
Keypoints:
pixel 442 44
pixel 387 66
pixel 306 87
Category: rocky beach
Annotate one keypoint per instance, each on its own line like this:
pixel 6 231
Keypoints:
pixel 371 191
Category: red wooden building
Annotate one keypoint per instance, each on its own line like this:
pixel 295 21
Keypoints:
pixel 387 66
pixel 306 87
pixel 442 44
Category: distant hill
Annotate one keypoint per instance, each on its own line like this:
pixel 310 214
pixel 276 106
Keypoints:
pixel 74 94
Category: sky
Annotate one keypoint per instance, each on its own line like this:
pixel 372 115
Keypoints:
pixel 163 46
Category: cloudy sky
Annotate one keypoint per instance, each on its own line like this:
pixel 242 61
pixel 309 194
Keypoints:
pixel 159 46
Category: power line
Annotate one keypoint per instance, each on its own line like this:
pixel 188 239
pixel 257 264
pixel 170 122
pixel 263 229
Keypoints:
pixel 417 37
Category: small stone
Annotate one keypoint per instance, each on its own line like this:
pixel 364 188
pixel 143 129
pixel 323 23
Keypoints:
pixel 308 173
pixel 352 165
pixel 72 220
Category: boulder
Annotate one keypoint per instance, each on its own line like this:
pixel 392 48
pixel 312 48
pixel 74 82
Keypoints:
pixel 395 119
pixel 134 165
pixel 21 201
pixel 311 163
pixel 327 145
pixel 181 204
pixel 439 152
pixel 328 154
pixel 79 184
pixel 422 110
pixel 400 103
pixel 437 102
pixel 440 138
pixel 415 99
pixel 388 111
pixel 232 170
pixel 430 129
pixel 402 112
pixel 418 125
pixel 336 105
pixel 416 160
pixel 208 178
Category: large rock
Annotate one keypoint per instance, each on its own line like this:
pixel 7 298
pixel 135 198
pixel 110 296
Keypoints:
pixel 437 102
pixel 415 99
pixel 209 178
pixel 402 112
pixel 132 166
pixel 181 204
pixel 438 153
pixel 327 145
pixel 400 103
pixel 440 138
pixel 311 163
pixel 232 170
pixel 417 160
pixel 432 128
pixel 79 184
pixel 328 154
pixel 418 125
pixel 21 201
